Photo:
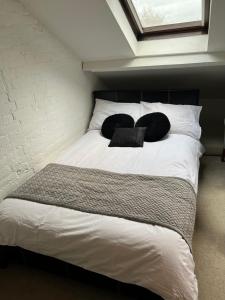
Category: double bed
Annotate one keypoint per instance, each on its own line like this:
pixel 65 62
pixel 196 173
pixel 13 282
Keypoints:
pixel 151 256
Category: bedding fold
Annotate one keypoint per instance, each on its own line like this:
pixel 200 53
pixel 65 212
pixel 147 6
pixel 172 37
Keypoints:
pixel 159 200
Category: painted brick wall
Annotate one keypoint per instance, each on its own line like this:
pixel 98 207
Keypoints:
pixel 45 97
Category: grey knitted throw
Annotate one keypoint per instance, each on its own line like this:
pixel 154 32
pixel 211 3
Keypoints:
pixel 165 201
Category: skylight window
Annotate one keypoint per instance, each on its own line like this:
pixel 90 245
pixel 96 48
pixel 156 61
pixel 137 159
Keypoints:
pixel 151 17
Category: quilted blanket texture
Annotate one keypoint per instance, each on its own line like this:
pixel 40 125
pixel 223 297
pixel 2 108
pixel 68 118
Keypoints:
pixel 164 201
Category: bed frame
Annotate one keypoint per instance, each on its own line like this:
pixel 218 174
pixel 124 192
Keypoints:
pixel 10 254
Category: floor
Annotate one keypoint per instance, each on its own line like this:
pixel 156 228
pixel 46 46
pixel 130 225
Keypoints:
pixel 209 237
pixel 19 282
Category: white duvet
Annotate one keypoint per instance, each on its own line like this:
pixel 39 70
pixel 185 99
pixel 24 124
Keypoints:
pixel 151 256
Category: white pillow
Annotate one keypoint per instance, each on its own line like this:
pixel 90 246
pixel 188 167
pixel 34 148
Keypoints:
pixel 105 108
pixel 184 119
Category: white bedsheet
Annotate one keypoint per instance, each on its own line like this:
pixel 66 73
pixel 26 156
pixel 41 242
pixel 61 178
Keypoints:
pixel 154 257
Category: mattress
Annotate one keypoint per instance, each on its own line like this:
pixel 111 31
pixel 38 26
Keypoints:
pixel 150 256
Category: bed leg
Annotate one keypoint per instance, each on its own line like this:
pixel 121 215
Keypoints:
pixel 4 258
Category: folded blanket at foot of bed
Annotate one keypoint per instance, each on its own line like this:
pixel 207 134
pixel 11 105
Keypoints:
pixel 164 201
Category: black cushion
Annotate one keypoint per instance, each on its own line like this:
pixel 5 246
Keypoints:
pixel 128 137
pixel 116 121
pixel 157 126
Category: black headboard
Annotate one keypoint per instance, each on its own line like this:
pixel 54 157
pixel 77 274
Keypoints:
pixel 190 97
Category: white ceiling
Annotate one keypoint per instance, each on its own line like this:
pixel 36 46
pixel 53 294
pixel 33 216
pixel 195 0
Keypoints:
pixel 93 30
pixel 88 27
pixel 98 30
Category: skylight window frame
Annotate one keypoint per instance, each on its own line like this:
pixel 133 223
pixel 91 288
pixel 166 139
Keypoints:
pixel 141 33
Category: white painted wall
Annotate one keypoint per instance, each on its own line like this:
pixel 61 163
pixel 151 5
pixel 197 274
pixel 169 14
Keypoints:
pixel 216 40
pixel 45 97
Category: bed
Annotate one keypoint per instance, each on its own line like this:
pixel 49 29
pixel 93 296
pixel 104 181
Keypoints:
pixel 150 256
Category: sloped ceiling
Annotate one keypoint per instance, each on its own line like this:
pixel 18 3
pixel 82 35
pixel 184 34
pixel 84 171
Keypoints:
pixel 88 27
pixel 92 29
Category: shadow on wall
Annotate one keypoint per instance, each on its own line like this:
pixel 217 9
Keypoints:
pixel 212 122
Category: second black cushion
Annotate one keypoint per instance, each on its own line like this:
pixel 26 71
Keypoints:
pixel 116 121
pixel 157 126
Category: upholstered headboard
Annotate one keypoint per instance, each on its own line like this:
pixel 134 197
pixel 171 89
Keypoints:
pixel 190 97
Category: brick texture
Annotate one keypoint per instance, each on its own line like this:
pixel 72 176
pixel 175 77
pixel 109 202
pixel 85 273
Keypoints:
pixel 45 97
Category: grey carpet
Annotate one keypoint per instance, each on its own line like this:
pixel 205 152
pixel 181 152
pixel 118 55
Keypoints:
pixel 20 282
pixel 209 236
